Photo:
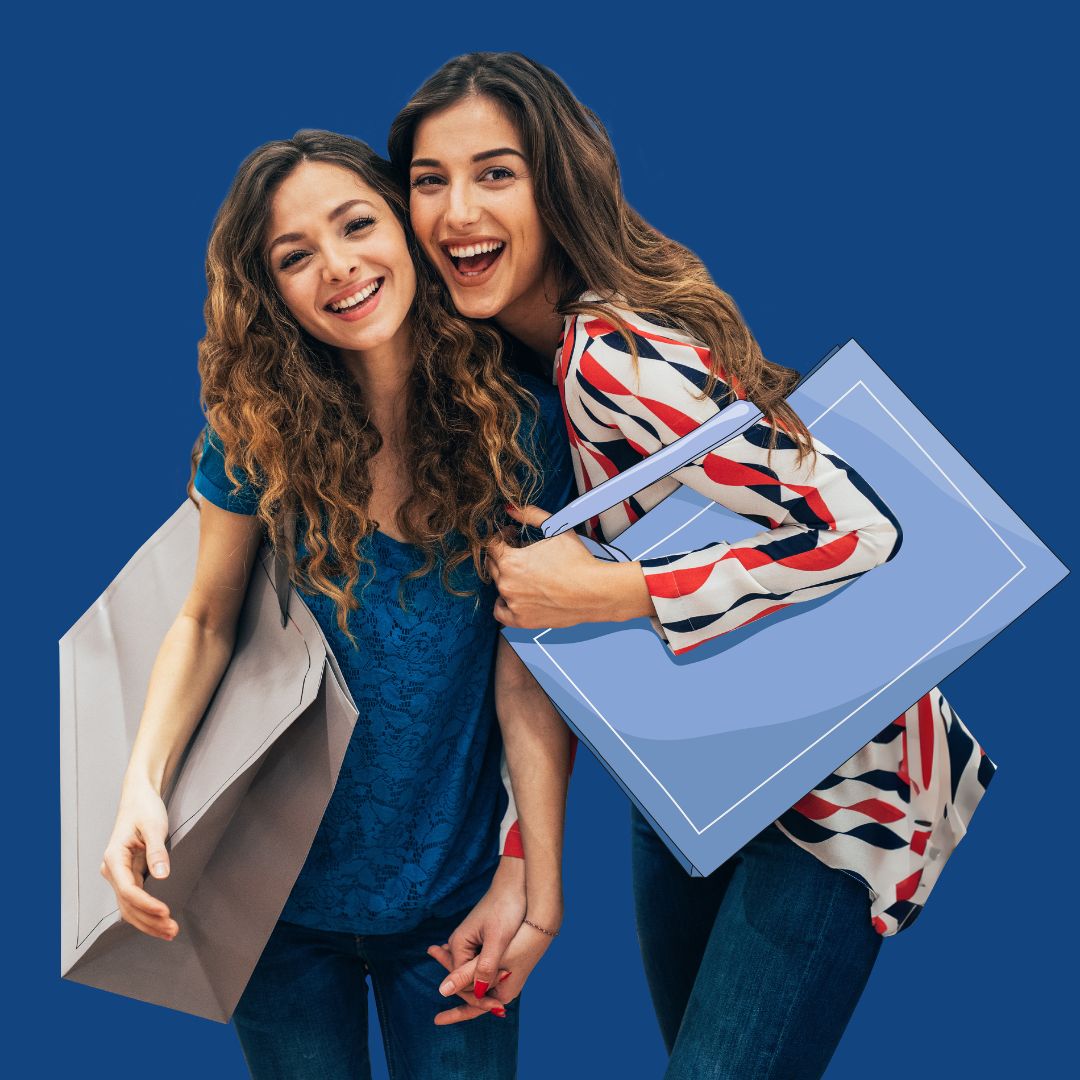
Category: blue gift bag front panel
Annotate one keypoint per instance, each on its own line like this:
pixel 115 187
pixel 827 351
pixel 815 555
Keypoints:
pixel 716 743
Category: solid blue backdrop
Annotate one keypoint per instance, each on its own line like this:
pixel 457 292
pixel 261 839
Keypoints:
pixel 899 177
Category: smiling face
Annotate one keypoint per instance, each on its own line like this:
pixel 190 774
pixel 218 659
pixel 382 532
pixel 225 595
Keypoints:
pixel 474 210
pixel 339 258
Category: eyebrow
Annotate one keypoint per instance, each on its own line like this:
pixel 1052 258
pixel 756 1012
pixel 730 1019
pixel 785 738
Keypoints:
pixel 431 163
pixel 291 238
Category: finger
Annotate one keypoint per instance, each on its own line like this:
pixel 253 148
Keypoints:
pixel 486 971
pixel 472 1008
pixel 131 893
pixel 528 515
pixel 459 979
pixel 127 887
pixel 496 549
pixel 156 857
pixel 509 987
pixel 456 1015
pixel 463 948
pixel 165 929
pixel 503 614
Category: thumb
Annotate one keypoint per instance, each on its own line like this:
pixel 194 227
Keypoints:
pixel 157 858
pixel 458 980
pixel 528 515
pixel 487 963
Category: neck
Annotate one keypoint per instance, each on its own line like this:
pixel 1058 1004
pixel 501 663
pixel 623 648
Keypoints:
pixel 532 317
pixel 383 374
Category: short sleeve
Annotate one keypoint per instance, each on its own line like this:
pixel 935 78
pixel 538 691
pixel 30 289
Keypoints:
pixel 550 447
pixel 213 483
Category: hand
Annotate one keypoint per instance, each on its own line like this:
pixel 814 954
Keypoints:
pixel 555 582
pixel 138 841
pixel 519 959
pixel 485 933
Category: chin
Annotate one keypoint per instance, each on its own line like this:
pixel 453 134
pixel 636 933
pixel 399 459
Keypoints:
pixel 475 307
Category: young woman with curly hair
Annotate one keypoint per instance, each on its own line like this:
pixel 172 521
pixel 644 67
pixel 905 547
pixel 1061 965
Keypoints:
pixel 341 393
pixel 516 199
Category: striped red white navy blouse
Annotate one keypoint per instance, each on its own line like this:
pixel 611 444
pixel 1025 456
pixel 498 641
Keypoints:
pixel 891 815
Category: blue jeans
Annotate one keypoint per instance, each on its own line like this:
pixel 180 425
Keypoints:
pixel 755 970
pixel 304 1012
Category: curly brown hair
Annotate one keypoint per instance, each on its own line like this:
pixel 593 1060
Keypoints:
pixel 601 244
pixel 289 414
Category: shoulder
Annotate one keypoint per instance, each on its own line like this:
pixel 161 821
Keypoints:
pixel 235 492
pixel 625 353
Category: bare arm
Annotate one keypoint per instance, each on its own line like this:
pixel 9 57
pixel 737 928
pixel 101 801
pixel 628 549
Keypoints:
pixel 538 751
pixel 189 665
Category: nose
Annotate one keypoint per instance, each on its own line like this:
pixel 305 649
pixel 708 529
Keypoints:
pixel 339 263
pixel 462 210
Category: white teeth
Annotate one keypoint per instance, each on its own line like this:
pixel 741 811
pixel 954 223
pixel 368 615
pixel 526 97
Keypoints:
pixel 356 298
pixel 475 249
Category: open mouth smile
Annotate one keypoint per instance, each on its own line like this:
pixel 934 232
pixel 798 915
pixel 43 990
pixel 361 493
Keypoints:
pixel 472 262
pixel 358 303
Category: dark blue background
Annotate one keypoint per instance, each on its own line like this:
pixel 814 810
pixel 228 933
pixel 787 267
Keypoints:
pixel 903 178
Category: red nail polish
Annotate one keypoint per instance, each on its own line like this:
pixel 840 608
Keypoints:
pixel 480 988
pixel 499 1012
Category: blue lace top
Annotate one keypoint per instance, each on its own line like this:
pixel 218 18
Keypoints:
pixel 412 828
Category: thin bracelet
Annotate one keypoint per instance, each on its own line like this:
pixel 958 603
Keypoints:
pixel 550 933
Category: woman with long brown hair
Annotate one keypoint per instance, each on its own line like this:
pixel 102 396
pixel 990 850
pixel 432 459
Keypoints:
pixel 517 201
pixel 341 391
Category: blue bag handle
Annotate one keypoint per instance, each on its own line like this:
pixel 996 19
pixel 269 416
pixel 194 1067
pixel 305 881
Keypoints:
pixel 731 421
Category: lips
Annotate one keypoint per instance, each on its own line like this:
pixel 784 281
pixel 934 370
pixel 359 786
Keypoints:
pixel 473 260
pixel 356 303
pixel 353 296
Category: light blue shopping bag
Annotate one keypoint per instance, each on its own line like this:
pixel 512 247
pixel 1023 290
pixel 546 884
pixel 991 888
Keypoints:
pixel 715 744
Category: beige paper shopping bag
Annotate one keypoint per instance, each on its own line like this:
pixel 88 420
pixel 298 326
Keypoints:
pixel 248 796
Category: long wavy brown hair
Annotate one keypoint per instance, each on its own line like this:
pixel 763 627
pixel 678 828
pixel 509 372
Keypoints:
pixel 289 414
pixel 602 245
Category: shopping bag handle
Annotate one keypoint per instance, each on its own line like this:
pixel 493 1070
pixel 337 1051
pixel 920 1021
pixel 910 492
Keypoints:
pixel 731 421
pixel 728 423
pixel 282 584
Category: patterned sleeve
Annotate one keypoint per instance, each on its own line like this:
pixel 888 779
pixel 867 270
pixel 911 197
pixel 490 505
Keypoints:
pixel 825 524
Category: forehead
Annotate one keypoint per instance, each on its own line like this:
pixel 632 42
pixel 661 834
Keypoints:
pixel 467 127
pixel 313 189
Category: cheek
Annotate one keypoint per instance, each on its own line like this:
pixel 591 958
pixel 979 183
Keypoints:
pixel 422 216
pixel 296 298
pixel 531 229
pixel 407 276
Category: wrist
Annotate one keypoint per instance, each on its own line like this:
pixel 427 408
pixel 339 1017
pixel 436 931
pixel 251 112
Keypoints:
pixel 510 871
pixel 621 592
pixel 545 920
pixel 141 782
pixel 545 907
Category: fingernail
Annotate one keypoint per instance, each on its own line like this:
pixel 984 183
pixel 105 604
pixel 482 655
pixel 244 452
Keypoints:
pixel 447 988
pixel 480 988
pixel 499 1012
pixel 159 869
pixel 505 975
